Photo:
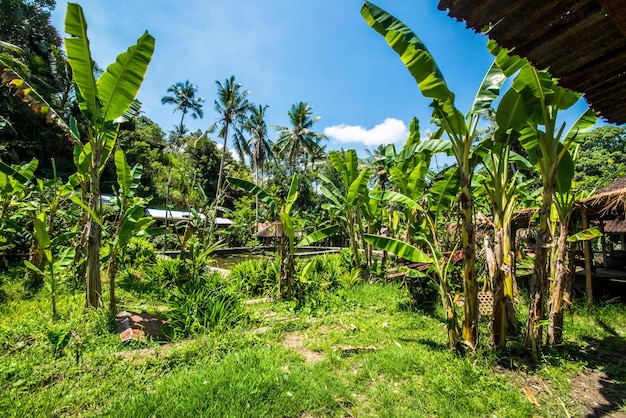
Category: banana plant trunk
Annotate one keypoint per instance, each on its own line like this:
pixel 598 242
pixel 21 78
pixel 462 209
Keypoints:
pixel 503 314
pixel 508 269
pixel 451 318
pixel 539 279
pixel 356 259
pixel 498 318
pixel 94 236
pixel 470 287
pixel 287 269
pixel 112 273
pixel 555 328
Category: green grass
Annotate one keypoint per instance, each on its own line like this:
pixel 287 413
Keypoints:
pixel 377 354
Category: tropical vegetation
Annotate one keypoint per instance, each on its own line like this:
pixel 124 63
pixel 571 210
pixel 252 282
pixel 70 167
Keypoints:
pixel 382 316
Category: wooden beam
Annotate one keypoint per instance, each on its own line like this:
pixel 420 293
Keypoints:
pixel 587 252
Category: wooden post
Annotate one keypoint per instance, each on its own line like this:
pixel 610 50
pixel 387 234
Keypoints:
pixel 603 243
pixel 587 252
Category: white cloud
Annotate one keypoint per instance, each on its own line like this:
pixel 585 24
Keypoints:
pixel 230 150
pixel 390 131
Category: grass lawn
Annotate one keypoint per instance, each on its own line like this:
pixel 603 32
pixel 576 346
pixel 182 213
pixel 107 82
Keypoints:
pixel 364 352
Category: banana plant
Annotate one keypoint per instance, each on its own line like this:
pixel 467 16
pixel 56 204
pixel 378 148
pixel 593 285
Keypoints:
pixel 533 105
pixel 104 103
pixel 130 221
pixel 461 131
pixel 349 198
pixel 439 266
pixel 561 278
pixel 52 196
pixel 504 189
pixel 15 188
pixel 56 266
pixel 286 241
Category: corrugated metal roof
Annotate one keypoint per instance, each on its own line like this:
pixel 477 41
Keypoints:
pixel 582 42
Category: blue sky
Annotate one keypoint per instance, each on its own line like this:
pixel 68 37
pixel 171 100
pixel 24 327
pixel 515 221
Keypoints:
pixel 321 52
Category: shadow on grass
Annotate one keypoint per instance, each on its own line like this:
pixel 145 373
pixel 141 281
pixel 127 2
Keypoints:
pixel 607 359
pixel 600 390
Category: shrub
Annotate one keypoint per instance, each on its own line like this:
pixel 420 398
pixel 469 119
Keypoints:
pixel 255 277
pixel 138 252
pixel 202 304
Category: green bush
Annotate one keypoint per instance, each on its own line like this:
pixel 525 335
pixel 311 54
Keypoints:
pixel 138 252
pixel 202 304
pixel 255 277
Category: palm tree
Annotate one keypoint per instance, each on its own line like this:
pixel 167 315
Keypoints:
pixel 298 141
pixel 232 105
pixel 184 97
pixel 380 166
pixel 259 143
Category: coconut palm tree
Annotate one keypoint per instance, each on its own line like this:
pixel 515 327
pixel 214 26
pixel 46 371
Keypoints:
pixel 184 97
pixel 232 105
pixel 299 141
pixel 259 143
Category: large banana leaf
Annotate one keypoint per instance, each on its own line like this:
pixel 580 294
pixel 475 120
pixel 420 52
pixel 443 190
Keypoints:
pixel 489 89
pixel 445 191
pixel 124 177
pixel 358 186
pixel 583 124
pixel 399 248
pixel 319 235
pixel 391 196
pixel 22 174
pixel 41 232
pixel 509 64
pixel 119 84
pixel 108 140
pixel 255 190
pixel 420 63
pixel 79 57
pixel 292 195
pixel 339 164
pixel 511 114
pixel 585 235
pixel 333 198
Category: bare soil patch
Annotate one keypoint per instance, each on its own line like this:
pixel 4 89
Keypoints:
pixel 295 341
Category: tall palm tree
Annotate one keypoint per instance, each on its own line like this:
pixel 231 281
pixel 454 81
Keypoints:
pixel 232 105
pixel 299 142
pixel 379 164
pixel 259 143
pixel 184 97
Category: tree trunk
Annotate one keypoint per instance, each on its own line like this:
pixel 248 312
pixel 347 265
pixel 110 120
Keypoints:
pixel 539 280
pixel 112 273
pixel 498 317
pixel 287 268
pixel 508 263
pixel 470 287
pixel 555 329
pixel 93 233
pixel 218 193
pixel 353 241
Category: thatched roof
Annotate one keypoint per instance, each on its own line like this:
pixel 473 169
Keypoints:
pixel 615 226
pixel 582 42
pixel 610 204
pixel 269 230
